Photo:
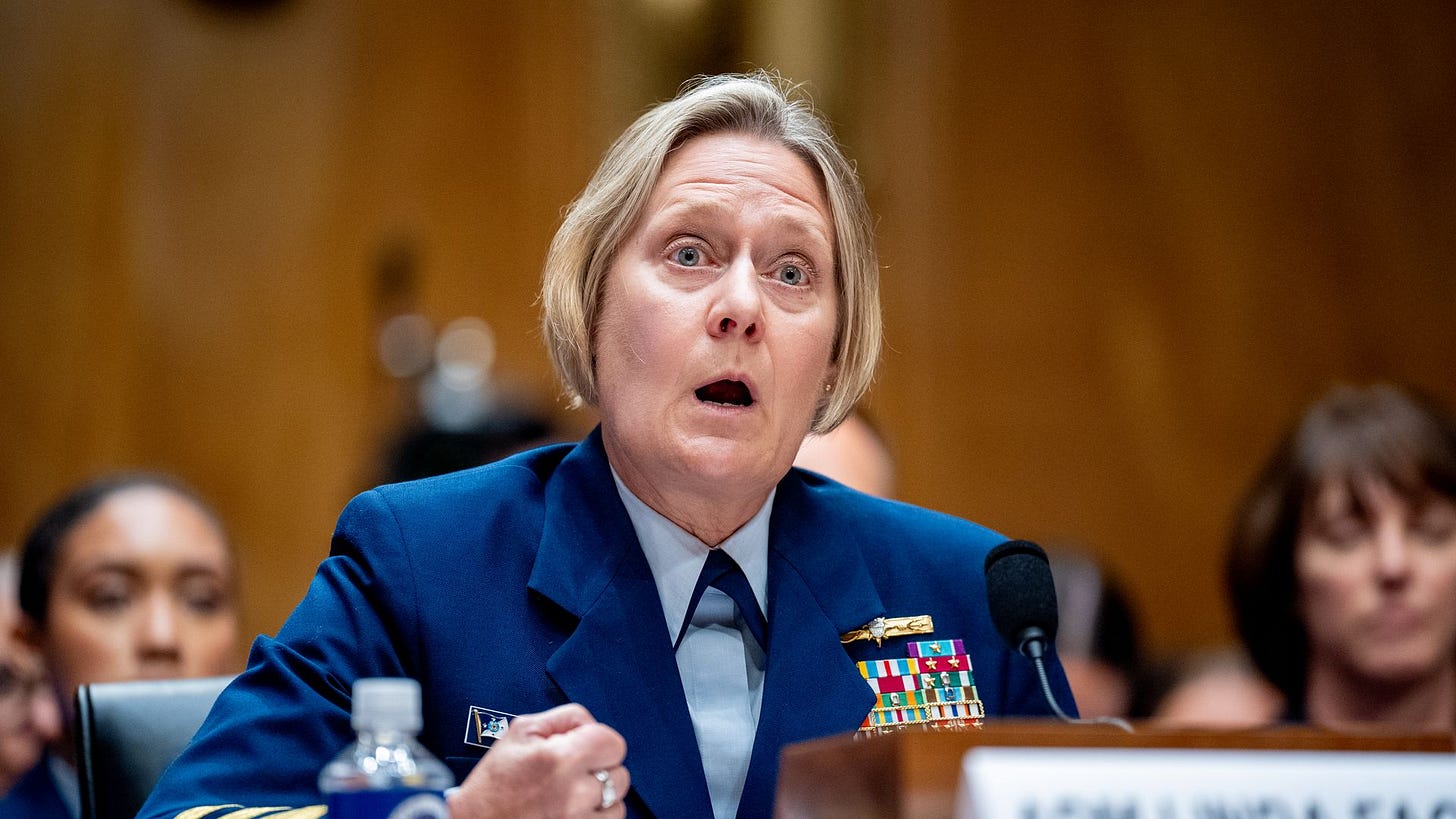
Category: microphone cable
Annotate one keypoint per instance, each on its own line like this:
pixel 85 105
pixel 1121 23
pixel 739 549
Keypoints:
pixel 1046 690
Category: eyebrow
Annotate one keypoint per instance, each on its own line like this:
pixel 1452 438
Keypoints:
pixel 130 569
pixel 794 230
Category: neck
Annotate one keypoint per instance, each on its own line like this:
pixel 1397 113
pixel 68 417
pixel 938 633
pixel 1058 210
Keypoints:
pixel 709 513
pixel 1334 698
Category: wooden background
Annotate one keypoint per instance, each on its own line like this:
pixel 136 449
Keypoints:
pixel 1124 243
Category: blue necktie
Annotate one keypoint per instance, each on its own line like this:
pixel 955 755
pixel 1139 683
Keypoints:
pixel 722 572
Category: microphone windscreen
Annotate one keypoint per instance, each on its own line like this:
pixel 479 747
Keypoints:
pixel 1020 592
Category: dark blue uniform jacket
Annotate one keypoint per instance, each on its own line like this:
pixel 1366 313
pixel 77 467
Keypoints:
pixel 519 586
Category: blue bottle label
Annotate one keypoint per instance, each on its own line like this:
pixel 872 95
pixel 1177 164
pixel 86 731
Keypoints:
pixel 401 803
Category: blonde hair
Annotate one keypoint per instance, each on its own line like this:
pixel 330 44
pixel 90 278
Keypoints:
pixel 604 214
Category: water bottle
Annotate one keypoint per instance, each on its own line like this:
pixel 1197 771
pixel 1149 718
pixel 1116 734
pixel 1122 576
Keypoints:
pixel 386 774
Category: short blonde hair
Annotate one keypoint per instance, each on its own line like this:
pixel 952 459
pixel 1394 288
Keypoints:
pixel 601 218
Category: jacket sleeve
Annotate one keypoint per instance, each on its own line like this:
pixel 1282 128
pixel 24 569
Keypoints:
pixel 273 729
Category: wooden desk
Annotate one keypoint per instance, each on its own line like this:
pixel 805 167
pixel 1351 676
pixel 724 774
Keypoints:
pixel 915 773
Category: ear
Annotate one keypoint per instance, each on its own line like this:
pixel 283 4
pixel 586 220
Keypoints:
pixel 28 633
pixel 830 381
pixel 831 373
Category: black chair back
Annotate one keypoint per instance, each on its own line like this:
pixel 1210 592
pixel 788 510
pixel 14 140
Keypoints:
pixel 127 733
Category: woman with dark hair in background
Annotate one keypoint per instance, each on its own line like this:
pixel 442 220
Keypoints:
pixel 129 577
pixel 1342 563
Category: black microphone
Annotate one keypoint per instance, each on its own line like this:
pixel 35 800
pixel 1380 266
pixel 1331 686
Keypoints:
pixel 1022 596
pixel 1023 601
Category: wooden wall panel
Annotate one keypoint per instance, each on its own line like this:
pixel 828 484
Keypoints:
pixel 202 198
pixel 1129 243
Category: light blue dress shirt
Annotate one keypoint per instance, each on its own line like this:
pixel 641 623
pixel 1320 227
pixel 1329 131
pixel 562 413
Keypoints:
pixel 720 664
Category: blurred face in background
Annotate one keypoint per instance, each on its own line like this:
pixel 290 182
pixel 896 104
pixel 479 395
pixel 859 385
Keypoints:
pixel 853 454
pixel 142 589
pixel 29 718
pixel 1377 584
pixel 1101 689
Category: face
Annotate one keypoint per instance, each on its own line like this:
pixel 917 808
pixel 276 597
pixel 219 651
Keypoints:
pixel 1222 698
pixel 718 319
pixel 29 717
pixel 1378 590
pixel 1100 689
pixel 852 454
pixel 142 590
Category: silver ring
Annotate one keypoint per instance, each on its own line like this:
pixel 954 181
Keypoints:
pixel 609 790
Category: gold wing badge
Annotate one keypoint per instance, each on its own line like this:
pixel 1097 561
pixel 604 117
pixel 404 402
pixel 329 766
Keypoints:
pixel 881 627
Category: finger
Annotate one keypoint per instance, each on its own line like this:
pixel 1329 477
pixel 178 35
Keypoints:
pixel 592 747
pixel 622 781
pixel 623 778
pixel 557 720
pixel 590 793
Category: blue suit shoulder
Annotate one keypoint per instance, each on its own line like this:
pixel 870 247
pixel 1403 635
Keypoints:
pixel 457 507
pixel 886 529
pixel 506 478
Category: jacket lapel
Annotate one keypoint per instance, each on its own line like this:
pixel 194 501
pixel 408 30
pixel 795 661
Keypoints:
pixel 618 662
pixel 817 590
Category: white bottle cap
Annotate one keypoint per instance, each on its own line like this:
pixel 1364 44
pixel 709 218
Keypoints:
pixel 387 704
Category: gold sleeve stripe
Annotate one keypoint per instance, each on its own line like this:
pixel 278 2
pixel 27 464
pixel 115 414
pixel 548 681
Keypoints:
pixel 202 810
pixel 240 812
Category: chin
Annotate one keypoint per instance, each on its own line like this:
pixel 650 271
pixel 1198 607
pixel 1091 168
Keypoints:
pixel 1401 668
pixel 725 459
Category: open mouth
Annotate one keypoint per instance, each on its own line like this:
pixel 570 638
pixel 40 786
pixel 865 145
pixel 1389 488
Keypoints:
pixel 726 392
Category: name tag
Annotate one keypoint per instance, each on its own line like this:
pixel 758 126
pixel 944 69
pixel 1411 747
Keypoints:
pixel 1145 783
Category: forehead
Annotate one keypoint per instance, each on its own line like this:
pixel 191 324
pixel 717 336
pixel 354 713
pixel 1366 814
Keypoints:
pixel 1363 494
pixel 730 169
pixel 144 523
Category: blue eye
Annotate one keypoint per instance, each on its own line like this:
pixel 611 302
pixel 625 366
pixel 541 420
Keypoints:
pixel 792 274
pixel 687 256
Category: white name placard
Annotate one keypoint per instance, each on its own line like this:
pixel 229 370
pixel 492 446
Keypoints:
pixel 1149 783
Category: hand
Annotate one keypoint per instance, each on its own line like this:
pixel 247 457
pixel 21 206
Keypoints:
pixel 543 767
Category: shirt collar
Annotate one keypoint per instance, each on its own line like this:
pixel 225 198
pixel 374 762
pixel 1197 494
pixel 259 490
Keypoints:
pixel 676 557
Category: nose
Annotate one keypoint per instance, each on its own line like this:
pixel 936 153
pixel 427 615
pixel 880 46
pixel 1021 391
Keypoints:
pixel 737 306
pixel 1392 555
pixel 158 639
pixel 45 714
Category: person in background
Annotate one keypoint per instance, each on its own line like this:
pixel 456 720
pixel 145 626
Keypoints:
pixel 128 577
pixel 425 451
pixel 1342 563
pixel 853 453
pixel 1097 635
pixel 29 717
pixel 1216 689
pixel 640 622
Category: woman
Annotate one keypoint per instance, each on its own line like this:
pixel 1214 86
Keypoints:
pixel 29 718
pixel 126 578
pixel 666 597
pixel 1343 563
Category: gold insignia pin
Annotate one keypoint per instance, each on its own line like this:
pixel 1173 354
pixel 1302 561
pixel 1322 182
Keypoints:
pixel 881 627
